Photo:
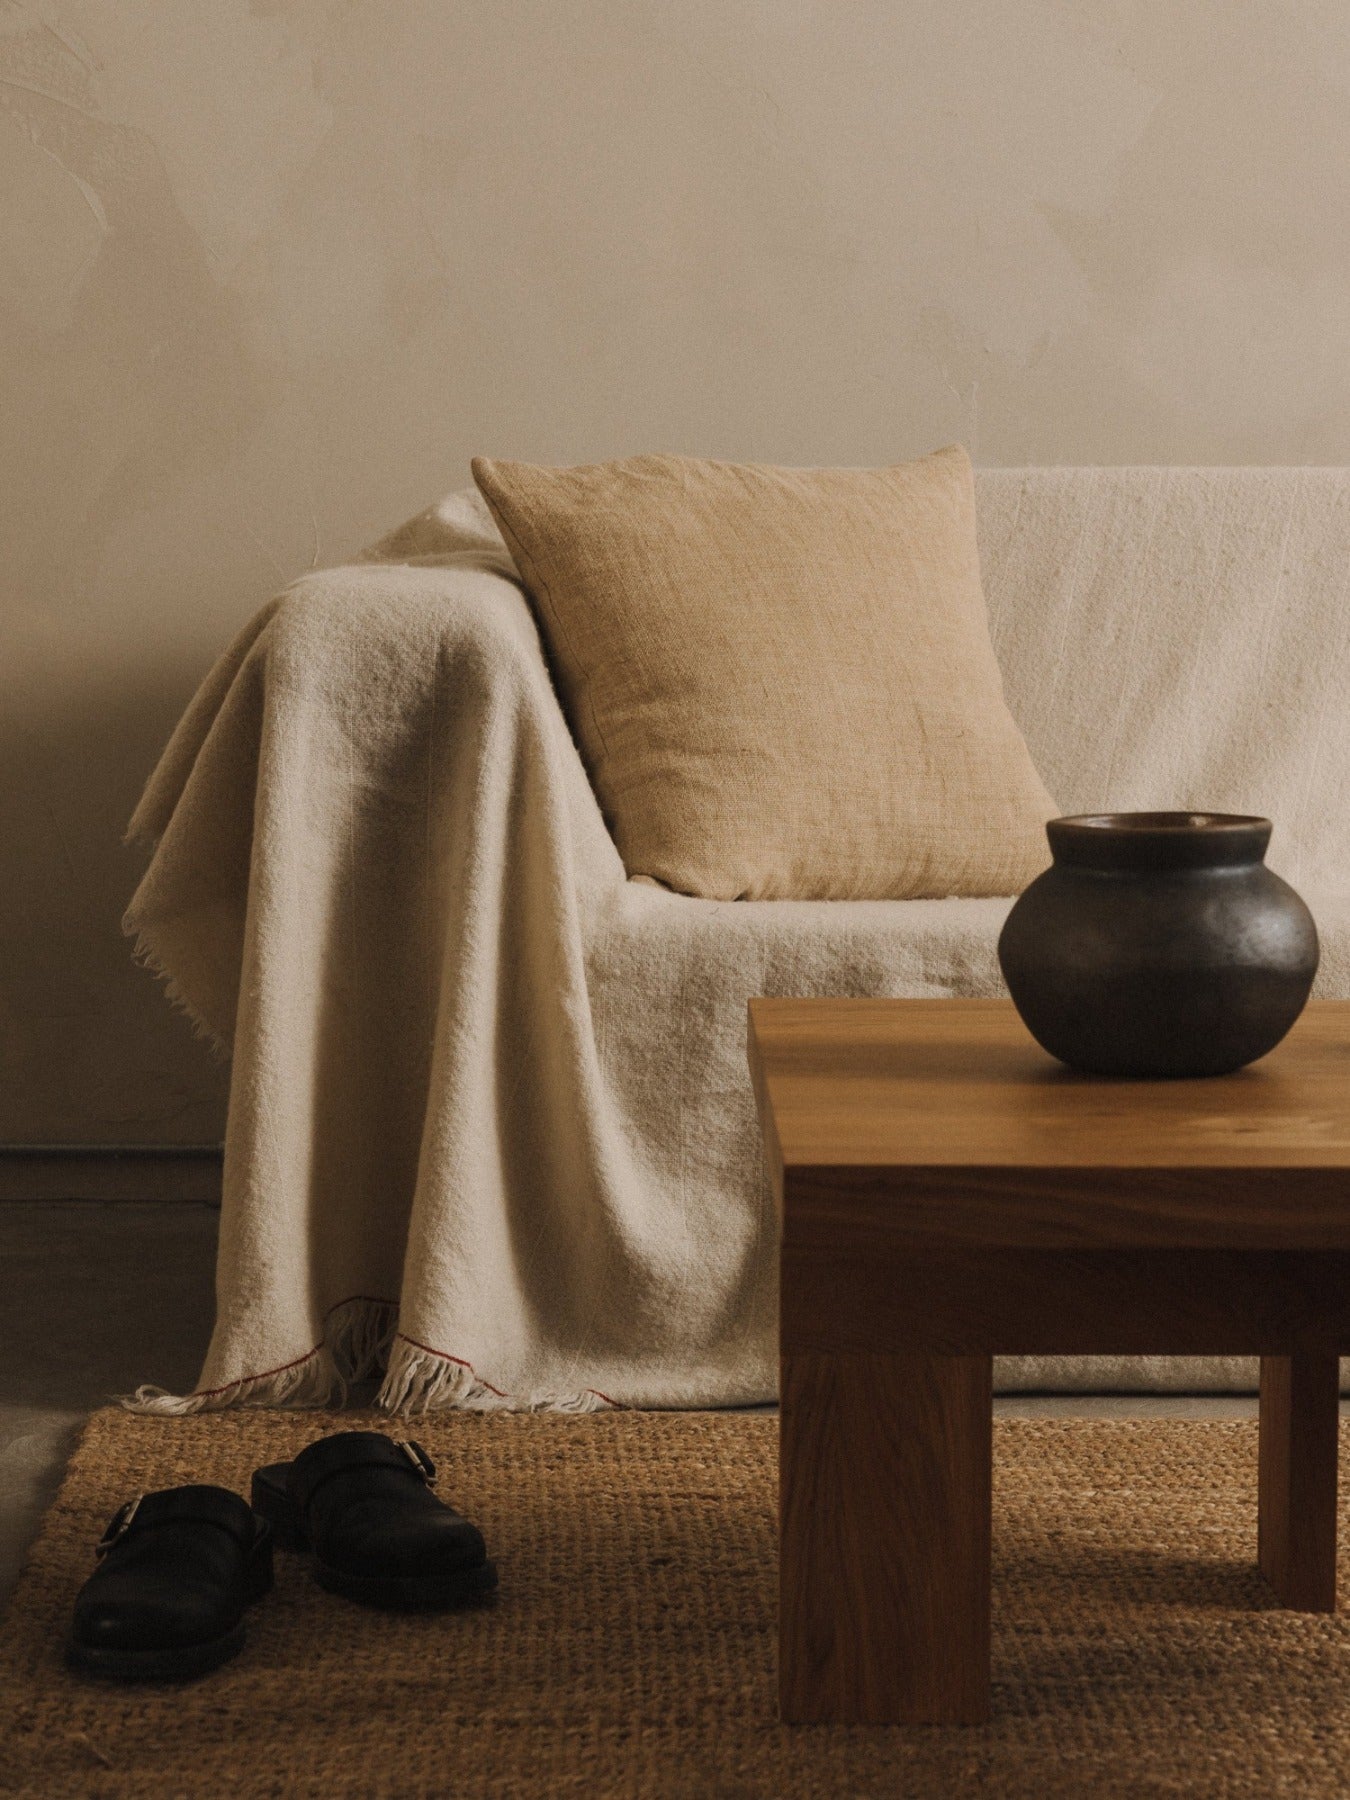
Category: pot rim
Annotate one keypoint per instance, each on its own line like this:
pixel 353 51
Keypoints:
pixel 1141 841
pixel 1164 821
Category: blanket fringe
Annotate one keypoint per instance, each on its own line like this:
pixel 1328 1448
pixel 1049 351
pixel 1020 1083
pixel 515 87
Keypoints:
pixel 143 952
pixel 358 1334
pixel 312 1381
pixel 360 1337
pixel 422 1380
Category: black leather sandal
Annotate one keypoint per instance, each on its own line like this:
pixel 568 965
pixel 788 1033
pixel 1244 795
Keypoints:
pixel 176 1570
pixel 363 1504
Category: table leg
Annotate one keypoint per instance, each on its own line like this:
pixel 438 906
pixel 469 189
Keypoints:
pixel 1296 1528
pixel 884 1551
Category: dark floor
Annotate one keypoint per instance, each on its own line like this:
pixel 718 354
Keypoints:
pixel 100 1296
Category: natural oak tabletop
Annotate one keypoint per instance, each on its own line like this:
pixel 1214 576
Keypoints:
pixel 873 1083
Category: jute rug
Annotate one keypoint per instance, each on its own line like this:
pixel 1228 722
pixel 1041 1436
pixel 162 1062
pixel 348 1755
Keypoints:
pixel 631 1651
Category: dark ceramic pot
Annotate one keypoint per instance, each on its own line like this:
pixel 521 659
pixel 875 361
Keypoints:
pixel 1159 944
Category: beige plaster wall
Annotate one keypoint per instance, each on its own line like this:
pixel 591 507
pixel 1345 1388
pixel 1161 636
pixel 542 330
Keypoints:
pixel 270 274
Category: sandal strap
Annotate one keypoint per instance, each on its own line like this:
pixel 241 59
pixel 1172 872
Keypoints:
pixel 330 1456
pixel 195 1504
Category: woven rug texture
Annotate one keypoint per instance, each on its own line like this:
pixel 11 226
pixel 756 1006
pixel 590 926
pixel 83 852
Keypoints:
pixel 631 1650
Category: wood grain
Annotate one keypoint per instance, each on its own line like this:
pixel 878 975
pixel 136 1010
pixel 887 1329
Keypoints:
pixel 1048 1303
pixel 885 1539
pixel 1092 1206
pixel 914 1083
pixel 1296 1531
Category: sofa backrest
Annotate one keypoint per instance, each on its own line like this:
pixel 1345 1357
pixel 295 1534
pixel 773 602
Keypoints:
pixel 1181 638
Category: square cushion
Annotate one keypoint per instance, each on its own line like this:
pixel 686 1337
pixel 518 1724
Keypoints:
pixel 781 680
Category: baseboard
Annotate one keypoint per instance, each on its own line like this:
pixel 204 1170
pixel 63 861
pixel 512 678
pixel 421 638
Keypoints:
pixel 110 1172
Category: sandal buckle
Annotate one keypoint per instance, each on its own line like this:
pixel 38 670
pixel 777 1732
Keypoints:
pixel 419 1459
pixel 118 1525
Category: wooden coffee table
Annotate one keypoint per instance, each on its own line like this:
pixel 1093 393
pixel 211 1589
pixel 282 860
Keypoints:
pixel 947 1191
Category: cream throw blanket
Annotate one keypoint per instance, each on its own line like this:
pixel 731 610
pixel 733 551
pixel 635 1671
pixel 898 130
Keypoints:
pixel 490 1120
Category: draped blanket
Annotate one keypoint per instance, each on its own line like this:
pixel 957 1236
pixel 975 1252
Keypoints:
pixel 490 1123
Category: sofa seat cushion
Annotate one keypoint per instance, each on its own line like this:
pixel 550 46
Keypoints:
pixel 712 956
pixel 781 680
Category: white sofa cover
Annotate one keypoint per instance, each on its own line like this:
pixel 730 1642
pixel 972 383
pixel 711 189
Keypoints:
pixel 490 1118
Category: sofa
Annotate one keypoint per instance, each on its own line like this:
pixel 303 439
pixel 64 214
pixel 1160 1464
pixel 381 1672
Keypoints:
pixel 491 1130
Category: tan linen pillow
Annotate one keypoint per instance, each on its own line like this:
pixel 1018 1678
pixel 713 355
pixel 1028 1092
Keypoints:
pixel 781 679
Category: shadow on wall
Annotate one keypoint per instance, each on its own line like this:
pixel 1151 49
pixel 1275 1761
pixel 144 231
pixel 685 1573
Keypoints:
pixel 90 1049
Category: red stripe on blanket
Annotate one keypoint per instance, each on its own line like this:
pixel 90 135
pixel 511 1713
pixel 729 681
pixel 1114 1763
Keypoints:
pixel 294 1363
pixel 427 1349
pixel 445 1356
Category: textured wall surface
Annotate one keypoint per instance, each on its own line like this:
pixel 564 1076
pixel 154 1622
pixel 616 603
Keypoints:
pixel 270 274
